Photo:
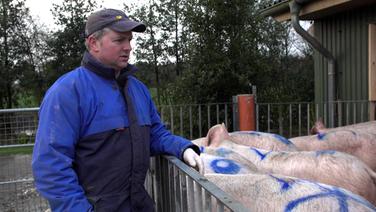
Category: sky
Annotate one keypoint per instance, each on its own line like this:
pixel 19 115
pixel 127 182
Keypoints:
pixel 40 9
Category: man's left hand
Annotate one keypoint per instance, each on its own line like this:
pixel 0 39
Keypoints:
pixel 193 159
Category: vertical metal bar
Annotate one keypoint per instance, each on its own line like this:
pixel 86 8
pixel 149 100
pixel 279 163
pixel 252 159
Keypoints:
pixel 347 113
pixel 199 122
pixel 159 181
pixel 172 119
pixel 354 113
pixel 208 205
pixel 154 177
pixel 209 125
pixel 317 112
pixel 339 113
pixel 184 199
pixel 290 118
pixel 190 123
pixel 361 111
pixel 191 199
pixel 220 206
pixel 171 183
pixel 300 119
pixel 181 121
pixel 257 118
pixel 235 118
pixel 268 117
pixel 226 119
pixel 325 116
pixel 177 189
pixel 280 120
pixel 218 114
pixel 199 201
pixel 308 119
pixel 162 203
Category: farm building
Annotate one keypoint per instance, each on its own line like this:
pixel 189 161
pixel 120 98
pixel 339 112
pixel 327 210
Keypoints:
pixel 343 35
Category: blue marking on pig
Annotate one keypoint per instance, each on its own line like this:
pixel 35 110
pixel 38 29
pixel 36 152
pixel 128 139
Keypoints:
pixel 341 197
pixel 321 136
pixel 352 131
pixel 254 133
pixel 285 185
pixel 202 149
pixel 262 156
pixel 225 166
pixel 325 152
pixel 247 133
pixel 223 152
pixel 283 139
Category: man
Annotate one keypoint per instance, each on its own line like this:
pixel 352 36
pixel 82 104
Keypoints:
pixel 98 127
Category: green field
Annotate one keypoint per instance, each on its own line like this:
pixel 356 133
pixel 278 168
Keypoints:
pixel 16 150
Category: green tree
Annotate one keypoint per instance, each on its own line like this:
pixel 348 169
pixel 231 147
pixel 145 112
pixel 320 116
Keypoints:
pixel 152 47
pixel 17 50
pixel 67 43
pixel 222 49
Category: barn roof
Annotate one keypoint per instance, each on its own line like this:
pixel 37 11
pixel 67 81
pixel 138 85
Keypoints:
pixel 315 9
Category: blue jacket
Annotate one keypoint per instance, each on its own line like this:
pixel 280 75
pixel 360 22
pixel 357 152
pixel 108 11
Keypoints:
pixel 84 154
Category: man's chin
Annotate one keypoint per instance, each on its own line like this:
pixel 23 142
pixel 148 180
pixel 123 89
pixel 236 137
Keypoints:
pixel 123 65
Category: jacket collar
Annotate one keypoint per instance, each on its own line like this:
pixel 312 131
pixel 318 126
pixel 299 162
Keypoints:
pixel 92 64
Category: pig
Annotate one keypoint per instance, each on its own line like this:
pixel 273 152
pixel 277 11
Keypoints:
pixel 360 145
pixel 263 192
pixel 229 164
pixel 329 167
pixel 218 133
pixel 262 140
pixel 365 127
pixel 215 135
pixel 200 141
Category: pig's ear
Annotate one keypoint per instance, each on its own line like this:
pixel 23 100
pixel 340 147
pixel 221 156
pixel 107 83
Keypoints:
pixel 223 125
pixel 319 125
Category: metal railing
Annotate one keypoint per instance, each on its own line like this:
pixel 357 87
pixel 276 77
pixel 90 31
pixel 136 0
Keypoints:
pixel 193 121
pixel 178 187
pixel 172 184
pixel 297 118
pixel 18 126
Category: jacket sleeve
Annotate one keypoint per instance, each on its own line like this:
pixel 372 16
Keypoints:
pixel 163 142
pixel 54 150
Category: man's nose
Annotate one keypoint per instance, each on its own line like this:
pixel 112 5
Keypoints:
pixel 127 46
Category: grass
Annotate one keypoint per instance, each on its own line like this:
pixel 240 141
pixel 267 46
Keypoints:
pixel 16 151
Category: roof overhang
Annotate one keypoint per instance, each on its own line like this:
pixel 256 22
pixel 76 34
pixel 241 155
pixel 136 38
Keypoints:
pixel 315 9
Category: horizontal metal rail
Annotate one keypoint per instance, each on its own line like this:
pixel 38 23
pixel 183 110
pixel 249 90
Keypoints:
pixel 289 119
pixel 184 189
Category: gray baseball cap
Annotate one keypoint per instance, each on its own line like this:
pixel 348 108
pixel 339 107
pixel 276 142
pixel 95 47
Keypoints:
pixel 113 19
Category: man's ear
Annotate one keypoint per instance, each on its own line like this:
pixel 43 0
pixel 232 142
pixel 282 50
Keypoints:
pixel 92 43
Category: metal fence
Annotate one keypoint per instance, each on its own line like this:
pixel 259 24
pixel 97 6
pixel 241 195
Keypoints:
pixel 17 191
pixel 173 185
pixel 178 187
pixel 18 126
pixel 297 118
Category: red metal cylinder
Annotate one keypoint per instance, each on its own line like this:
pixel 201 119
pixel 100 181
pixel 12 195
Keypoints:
pixel 246 108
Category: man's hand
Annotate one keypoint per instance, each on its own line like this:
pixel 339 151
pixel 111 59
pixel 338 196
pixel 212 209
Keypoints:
pixel 193 159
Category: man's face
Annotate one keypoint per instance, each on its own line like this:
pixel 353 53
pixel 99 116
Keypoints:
pixel 113 49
